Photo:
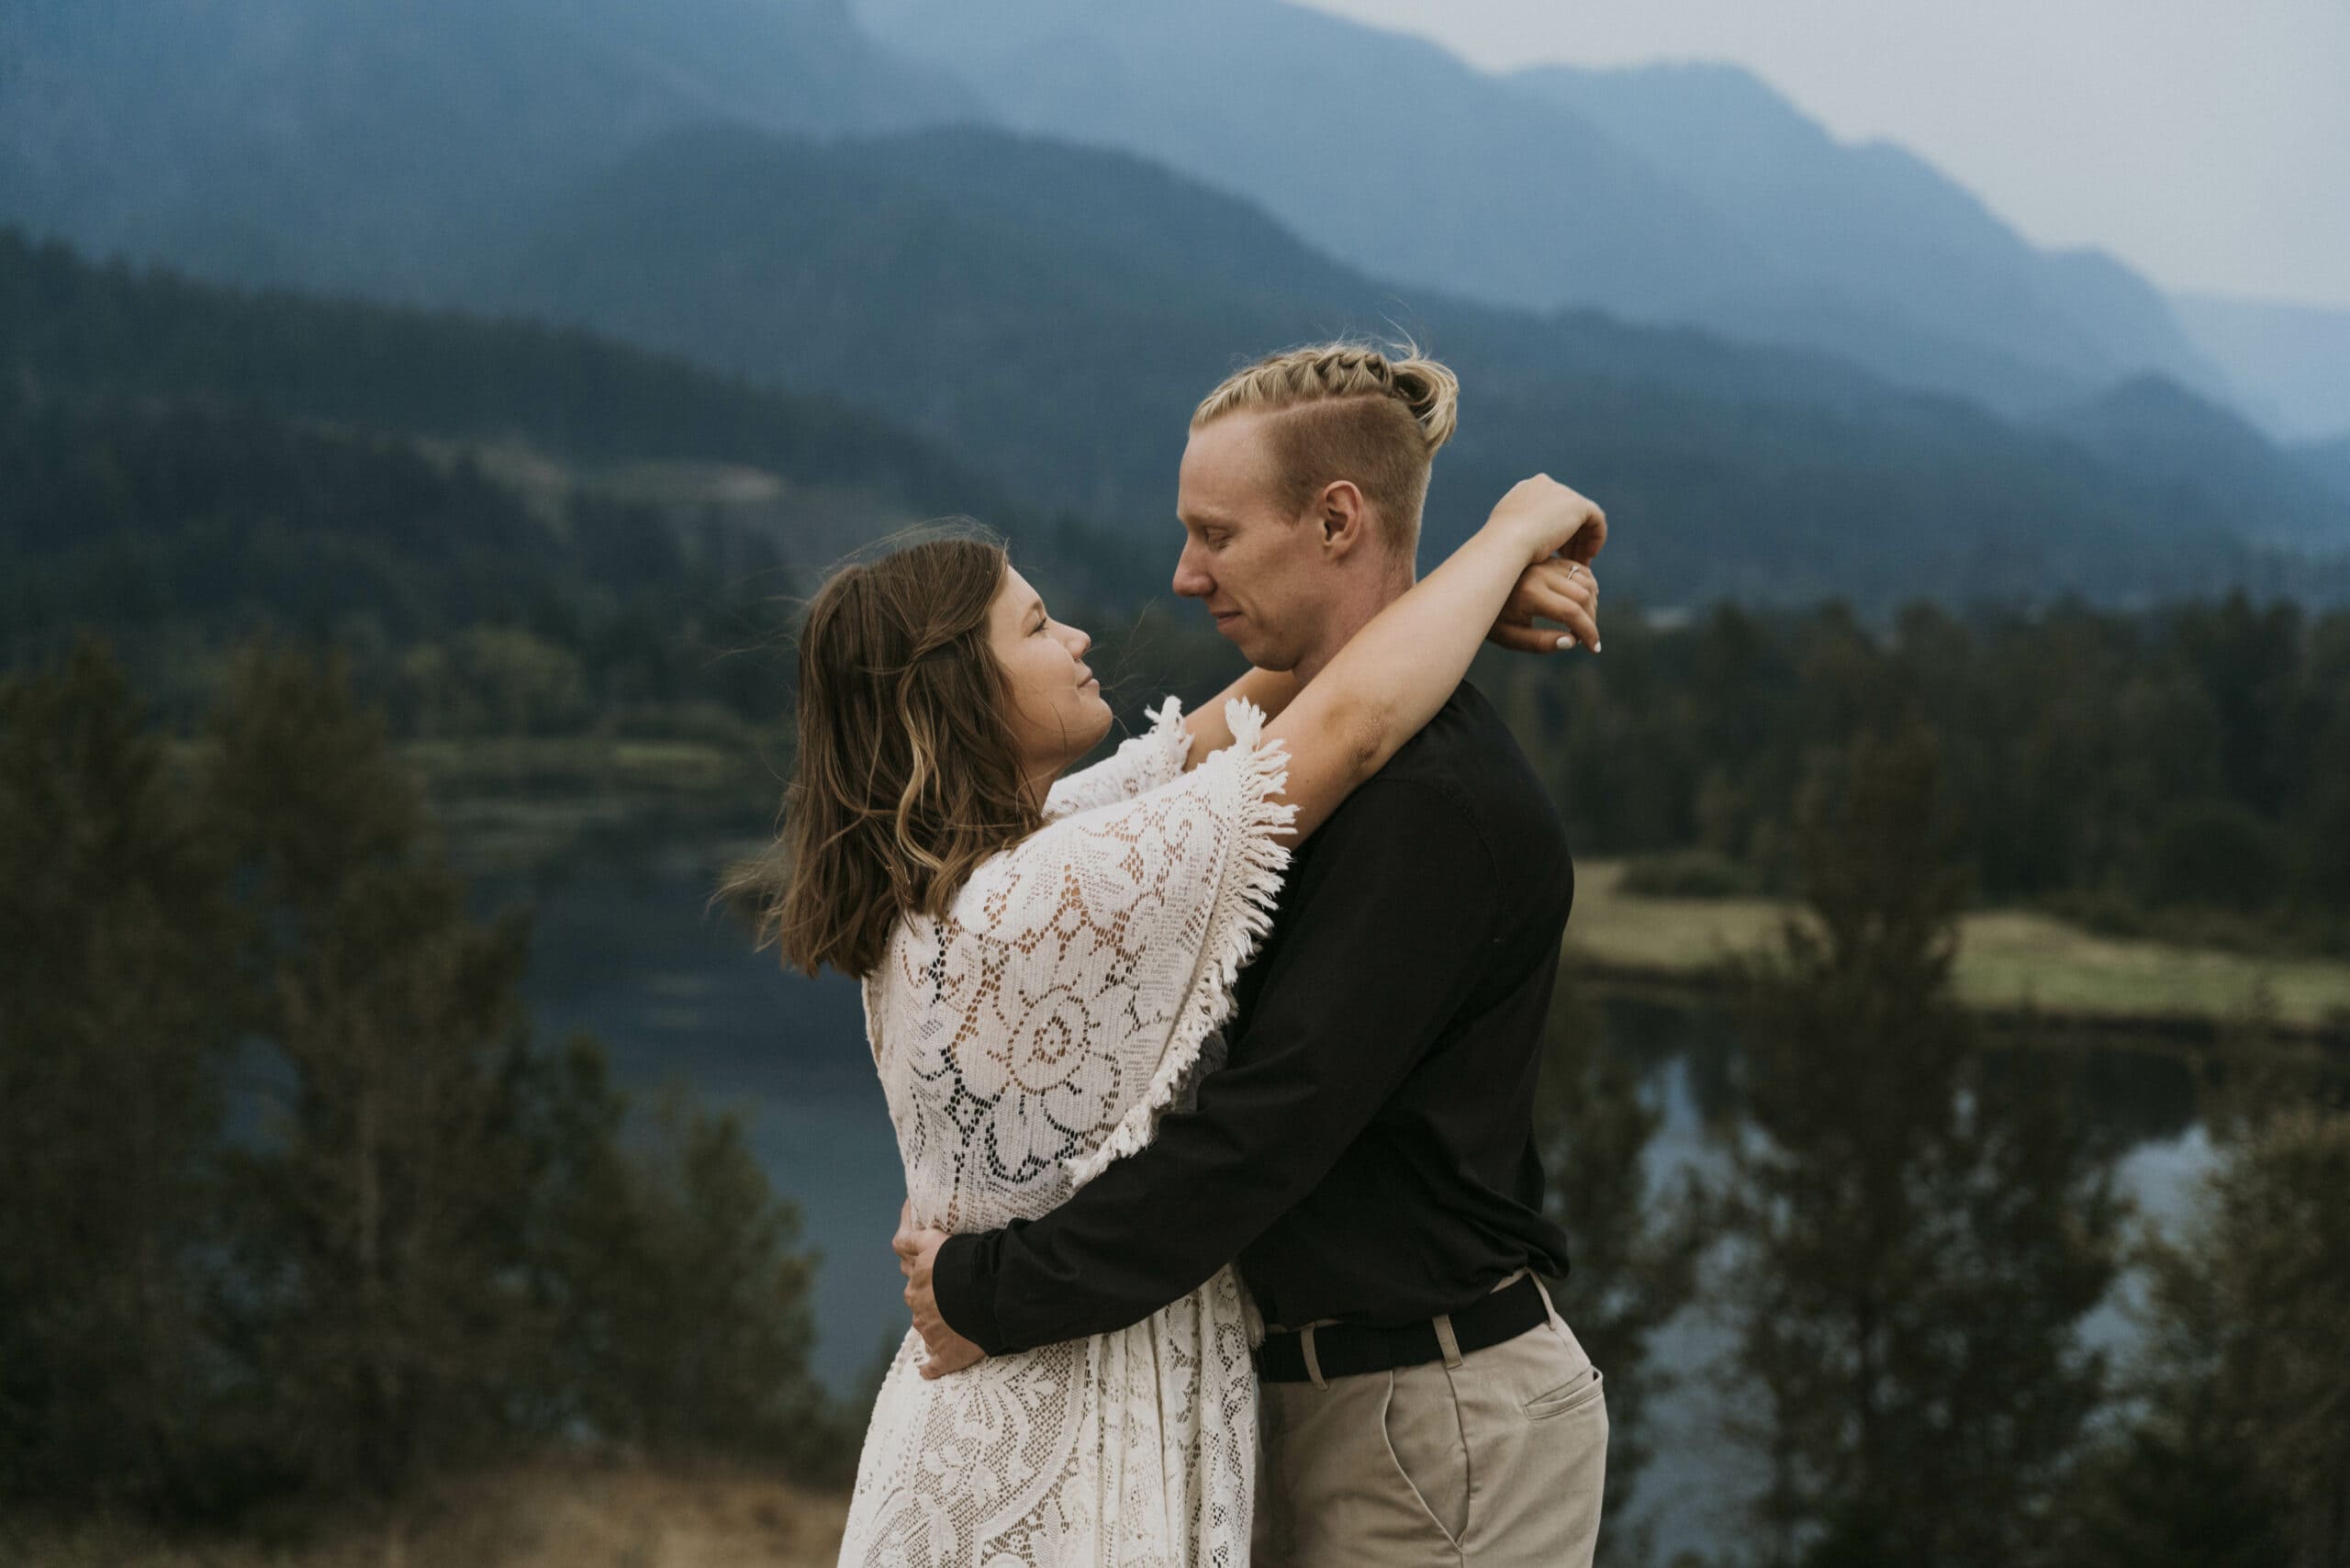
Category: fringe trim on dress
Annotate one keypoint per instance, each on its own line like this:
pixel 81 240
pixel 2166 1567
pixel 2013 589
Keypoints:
pixel 1243 914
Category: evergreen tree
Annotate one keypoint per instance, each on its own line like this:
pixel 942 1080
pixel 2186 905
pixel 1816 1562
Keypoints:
pixel 2234 1451
pixel 118 1003
pixel 1919 1227
pixel 2171 1491
pixel 1633 1254
pixel 442 1246
pixel 378 1306
pixel 677 1298
pixel 2251 1311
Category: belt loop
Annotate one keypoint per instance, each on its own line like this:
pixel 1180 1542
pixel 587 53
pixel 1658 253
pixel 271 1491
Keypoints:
pixel 1446 1337
pixel 1550 1307
pixel 1312 1361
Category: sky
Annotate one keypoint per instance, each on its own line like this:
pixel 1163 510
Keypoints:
pixel 2205 142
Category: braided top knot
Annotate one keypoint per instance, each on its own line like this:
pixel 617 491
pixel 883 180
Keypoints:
pixel 1365 414
pixel 1427 390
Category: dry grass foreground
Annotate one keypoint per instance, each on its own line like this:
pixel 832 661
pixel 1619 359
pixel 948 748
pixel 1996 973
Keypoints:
pixel 547 1514
pixel 2007 958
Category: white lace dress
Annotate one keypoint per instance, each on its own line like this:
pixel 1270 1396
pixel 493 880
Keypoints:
pixel 1074 994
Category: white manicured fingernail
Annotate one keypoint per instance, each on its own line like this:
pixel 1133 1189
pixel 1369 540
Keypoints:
pixel 1594 647
pixel 1566 641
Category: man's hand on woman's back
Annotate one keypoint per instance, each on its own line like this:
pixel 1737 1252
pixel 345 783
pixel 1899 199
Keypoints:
pixel 917 1249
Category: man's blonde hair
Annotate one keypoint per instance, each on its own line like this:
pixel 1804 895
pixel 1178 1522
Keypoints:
pixel 1348 411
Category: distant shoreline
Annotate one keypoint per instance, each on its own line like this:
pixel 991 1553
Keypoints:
pixel 2015 970
pixel 509 798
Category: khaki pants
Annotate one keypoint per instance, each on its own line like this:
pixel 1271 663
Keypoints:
pixel 1495 1457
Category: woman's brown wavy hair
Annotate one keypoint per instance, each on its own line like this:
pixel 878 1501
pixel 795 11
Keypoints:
pixel 906 776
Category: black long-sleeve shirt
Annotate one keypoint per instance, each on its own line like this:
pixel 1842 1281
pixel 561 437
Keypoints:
pixel 1367 1151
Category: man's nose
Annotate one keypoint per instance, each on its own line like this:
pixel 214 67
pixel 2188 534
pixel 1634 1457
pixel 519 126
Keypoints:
pixel 1082 638
pixel 1189 581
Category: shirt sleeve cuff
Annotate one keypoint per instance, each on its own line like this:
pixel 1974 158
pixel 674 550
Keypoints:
pixel 962 1281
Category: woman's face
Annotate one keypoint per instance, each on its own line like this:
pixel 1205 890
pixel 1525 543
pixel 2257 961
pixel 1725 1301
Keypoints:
pixel 1052 700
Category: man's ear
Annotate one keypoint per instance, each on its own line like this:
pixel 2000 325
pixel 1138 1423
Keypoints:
pixel 1343 516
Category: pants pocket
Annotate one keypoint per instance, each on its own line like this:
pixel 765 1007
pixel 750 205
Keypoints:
pixel 1579 1391
pixel 1427 1442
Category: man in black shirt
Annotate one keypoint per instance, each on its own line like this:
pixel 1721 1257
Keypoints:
pixel 1367 1152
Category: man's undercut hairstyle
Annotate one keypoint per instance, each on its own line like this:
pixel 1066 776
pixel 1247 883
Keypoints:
pixel 1348 411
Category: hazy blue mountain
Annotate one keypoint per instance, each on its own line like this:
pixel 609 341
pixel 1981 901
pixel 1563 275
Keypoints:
pixel 1875 234
pixel 1696 196
pixel 1062 347
pixel 2211 460
pixel 1381 149
pixel 2330 461
pixel 376 143
pixel 2290 364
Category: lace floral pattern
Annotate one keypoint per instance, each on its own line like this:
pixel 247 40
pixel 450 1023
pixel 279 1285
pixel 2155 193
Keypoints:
pixel 1072 997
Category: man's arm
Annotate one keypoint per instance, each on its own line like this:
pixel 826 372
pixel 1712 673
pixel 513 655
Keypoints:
pixel 1397 910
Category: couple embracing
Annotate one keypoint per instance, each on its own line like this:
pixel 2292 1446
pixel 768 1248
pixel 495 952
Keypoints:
pixel 1212 1064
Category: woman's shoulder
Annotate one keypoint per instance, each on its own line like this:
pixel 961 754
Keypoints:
pixel 1142 843
pixel 1141 762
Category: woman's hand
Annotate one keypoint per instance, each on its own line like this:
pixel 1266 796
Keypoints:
pixel 1545 518
pixel 1555 589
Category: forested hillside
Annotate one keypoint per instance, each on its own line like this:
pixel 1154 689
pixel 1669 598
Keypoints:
pixel 560 525
pixel 72 326
pixel 2183 769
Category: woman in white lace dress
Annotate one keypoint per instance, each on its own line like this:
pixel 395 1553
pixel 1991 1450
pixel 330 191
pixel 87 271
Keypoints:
pixel 1046 963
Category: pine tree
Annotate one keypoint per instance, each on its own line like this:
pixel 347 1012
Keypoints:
pixel 380 1311
pixel 118 1005
pixel 721 1346
pixel 680 1300
pixel 1919 1226
pixel 1633 1253
pixel 2249 1313
pixel 441 1245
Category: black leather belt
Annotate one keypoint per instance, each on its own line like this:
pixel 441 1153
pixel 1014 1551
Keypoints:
pixel 1344 1350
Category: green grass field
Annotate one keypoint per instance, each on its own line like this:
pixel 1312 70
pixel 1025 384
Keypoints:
pixel 2007 958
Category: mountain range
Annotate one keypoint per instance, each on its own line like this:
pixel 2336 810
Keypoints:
pixel 1676 193
pixel 762 187
pixel 1871 250
pixel 1051 313
pixel 382 145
